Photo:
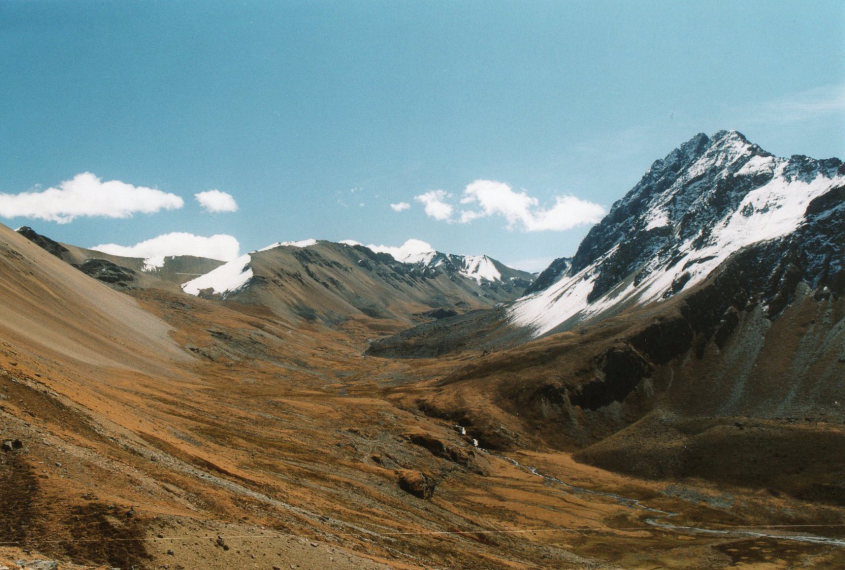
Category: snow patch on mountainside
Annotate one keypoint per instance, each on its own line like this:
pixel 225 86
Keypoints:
pixel 657 218
pixel 481 268
pixel 758 164
pixel 562 301
pixel 769 212
pixel 227 278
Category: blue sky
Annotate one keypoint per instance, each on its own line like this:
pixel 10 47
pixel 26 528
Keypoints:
pixel 315 117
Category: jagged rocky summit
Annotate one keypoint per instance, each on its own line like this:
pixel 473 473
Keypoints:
pixel 703 203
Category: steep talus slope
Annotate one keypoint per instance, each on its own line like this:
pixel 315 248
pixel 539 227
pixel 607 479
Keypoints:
pixel 48 304
pixel 333 282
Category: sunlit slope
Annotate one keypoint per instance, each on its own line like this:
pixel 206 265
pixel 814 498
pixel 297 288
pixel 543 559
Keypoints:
pixel 61 313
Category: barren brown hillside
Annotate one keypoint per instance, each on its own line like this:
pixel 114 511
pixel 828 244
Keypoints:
pixel 159 430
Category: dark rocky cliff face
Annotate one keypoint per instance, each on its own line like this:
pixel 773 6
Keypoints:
pixel 108 272
pixel 764 336
pixel 619 223
pixel 44 242
pixel 549 275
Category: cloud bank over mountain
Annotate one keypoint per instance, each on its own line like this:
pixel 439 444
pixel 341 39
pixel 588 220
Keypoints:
pixel 521 211
pixel 219 246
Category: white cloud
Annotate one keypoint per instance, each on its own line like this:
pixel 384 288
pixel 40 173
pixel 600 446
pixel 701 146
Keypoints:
pixel 216 201
pixel 497 198
pixel 220 246
pixel 487 198
pixel 435 204
pixel 412 251
pixel 400 206
pixel 567 213
pixel 86 195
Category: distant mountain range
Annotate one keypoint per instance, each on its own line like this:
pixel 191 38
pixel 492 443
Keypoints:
pixel 707 202
pixel 331 282
pixel 319 280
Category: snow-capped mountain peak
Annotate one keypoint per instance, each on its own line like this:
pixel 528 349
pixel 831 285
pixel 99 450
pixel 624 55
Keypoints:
pixel 481 268
pixel 704 201
pixel 417 252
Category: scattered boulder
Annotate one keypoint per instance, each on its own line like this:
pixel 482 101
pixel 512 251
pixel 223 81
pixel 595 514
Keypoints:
pixel 417 483
pixel 222 543
pixel 38 564
pixel 12 444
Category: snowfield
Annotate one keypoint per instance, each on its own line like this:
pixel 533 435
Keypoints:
pixel 227 278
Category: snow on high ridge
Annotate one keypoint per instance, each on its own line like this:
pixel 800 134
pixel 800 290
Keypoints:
pixel 481 268
pixel 300 244
pixel 234 275
pixel 724 195
pixel 414 251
